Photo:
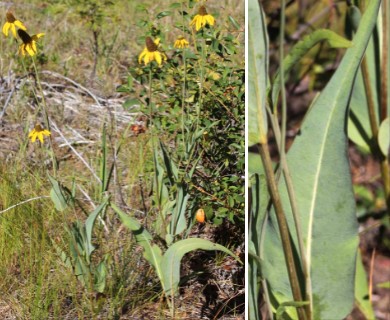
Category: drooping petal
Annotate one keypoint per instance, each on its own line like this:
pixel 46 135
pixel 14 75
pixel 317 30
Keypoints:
pixel 6 27
pixel 142 55
pixel 210 19
pixel 148 57
pixel 30 48
pixel 13 29
pixel 34 46
pixel 199 23
pixel 33 137
pixel 35 37
pixel 20 25
pixel 158 57
pixel 40 136
pixel 22 49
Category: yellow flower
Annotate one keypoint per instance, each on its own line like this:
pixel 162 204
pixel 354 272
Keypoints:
pixel 151 52
pixel 202 18
pixel 28 44
pixel 38 132
pixel 181 43
pixel 12 23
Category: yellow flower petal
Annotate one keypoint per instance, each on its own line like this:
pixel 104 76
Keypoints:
pixel 158 57
pixel 199 23
pixel 13 29
pixel 21 50
pixel 33 137
pixel 20 25
pixel 40 136
pixel 6 27
pixel 142 55
pixel 210 19
pixel 31 48
pixel 35 37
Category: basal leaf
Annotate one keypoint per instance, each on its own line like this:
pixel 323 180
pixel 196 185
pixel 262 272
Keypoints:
pixel 152 252
pixel 170 263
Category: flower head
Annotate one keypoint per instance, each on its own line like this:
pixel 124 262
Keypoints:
pixel 181 43
pixel 202 18
pixel 12 23
pixel 28 44
pixel 38 132
pixel 151 52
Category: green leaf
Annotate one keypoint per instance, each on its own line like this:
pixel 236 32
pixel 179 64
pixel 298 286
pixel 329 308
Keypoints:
pixel 234 22
pixel 384 137
pixel 361 290
pixel 89 226
pixel 258 73
pixel 385 285
pixel 286 306
pixel 130 103
pixel 359 128
pixel 100 277
pixel 253 282
pixel 179 222
pixel 163 14
pixel 170 263
pixel 58 195
pixel 152 252
pixel 321 177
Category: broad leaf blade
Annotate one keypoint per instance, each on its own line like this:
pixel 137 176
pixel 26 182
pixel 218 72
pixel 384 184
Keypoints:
pixel 170 263
pixel 321 177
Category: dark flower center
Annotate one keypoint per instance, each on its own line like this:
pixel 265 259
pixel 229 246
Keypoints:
pixel 202 11
pixel 150 45
pixel 38 128
pixel 24 36
pixel 10 17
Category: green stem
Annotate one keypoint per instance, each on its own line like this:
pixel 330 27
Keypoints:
pixel 45 118
pixel 384 165
pixel 286 172
pixel 183 93
pixel 385 60
pixel 283 227
pixel 384 94
pixel 282 88
pixel 294 208
pixel 370 99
